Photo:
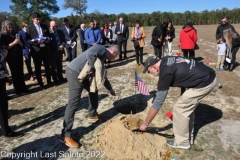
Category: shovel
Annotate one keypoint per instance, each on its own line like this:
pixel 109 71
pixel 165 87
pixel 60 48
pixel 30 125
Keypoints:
pixel 137 130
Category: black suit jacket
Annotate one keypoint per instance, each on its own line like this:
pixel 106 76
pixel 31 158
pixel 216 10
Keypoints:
pixel 71 36
pixel 53 47
pixel 32 33
pixel 124 35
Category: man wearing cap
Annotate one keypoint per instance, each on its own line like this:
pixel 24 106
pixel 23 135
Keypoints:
pixel 70 37
pixel 179 72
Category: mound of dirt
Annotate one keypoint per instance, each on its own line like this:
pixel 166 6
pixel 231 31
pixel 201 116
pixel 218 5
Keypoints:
pixel 118 140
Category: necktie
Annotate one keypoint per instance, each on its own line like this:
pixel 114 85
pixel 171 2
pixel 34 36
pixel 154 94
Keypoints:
pixel 94 36
pixel 121 28
pixel 57 38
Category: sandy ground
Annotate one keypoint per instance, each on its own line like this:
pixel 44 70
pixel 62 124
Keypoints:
pixel 40 116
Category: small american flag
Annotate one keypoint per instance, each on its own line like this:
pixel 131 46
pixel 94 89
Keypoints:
pixel 142 88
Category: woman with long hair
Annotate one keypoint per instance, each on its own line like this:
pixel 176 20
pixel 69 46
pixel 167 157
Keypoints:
pixel 12 41
pixel 233 42
pixel 138 34
pixel 170 35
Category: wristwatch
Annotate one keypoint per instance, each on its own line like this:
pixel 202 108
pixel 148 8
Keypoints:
pixel 146 123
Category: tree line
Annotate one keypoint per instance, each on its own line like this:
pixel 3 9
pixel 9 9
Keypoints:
pixel 22 12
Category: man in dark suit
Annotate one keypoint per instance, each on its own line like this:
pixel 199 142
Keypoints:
pixel 56 48
pixel 122 37
pixel 38 48
pixel 70 37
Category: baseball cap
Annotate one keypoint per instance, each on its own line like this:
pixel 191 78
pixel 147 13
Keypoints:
pixel 149 62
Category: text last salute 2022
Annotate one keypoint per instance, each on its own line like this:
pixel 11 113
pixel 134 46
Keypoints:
pixel 55 154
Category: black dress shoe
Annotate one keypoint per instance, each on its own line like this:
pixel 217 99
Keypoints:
pixel 63 80
pixel 231 67
pixel 42 88
pixel 13 134
pixel 226 67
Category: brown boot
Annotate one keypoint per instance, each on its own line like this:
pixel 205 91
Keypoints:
pixel 69 142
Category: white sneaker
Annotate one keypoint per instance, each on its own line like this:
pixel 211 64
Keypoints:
pixel 173 145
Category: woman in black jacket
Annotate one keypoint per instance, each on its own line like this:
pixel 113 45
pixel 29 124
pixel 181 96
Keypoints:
pixel 13 43
pixel 5 129
pixel 233 42
pixel 106 34
pixel 170 35
pixel 158 39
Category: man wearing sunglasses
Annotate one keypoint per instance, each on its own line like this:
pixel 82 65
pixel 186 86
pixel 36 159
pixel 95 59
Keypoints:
pixel 179 72
pixel 224 25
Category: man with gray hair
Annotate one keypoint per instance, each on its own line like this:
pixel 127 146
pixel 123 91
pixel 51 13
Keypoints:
pixel 123 35
pixel 83 42
pixel 73 69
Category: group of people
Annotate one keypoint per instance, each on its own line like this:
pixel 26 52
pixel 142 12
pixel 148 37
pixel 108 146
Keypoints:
pixel 228 43
pixel 99 45
pixel 105 35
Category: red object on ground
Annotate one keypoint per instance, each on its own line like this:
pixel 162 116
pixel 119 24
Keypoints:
pixel 169 115
pixel 208 60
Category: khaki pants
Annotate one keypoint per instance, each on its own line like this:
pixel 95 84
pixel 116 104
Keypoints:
pixel 167 48
pixel 183 113
pixel 220 61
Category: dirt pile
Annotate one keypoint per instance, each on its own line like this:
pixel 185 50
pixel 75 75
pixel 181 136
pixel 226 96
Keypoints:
pixel 118 140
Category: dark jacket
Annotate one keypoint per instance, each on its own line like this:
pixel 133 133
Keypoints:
pixel 15 51
pixel 53 47
pixel 3 68
pixel 69 36
pixel 170 33
pixel 26 46
pixel 158 32
pixel 124 35
pixel 221 27
pixel 32 33
pixel 81 34
pixel 105 39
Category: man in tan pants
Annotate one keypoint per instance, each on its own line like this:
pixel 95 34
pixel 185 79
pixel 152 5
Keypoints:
pixel 179 72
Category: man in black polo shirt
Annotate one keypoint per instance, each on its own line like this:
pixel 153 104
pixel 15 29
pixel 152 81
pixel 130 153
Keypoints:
pixel 180 72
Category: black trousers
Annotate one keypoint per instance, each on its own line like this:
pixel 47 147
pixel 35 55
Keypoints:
pixel 16 68
pixel 124 45
pixel 139 54
pixel 114 42
pixel 38 58
pixel 28 65
pixel 188 53
pixel 158 51
pixel 4 108
pixel 56 65
pixel 234 52
pixel 72 52
pixel 84 47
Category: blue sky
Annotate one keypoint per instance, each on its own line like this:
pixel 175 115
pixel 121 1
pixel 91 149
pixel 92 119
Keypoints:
pixel 143 6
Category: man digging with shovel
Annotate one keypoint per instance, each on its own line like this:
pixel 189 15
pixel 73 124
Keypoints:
pixel 179 72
